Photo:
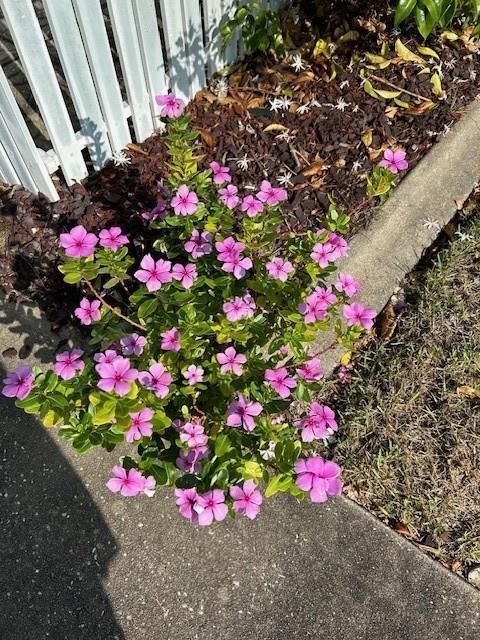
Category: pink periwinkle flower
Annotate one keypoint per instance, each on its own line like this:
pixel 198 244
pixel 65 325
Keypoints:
pixel 232 361
pixel 314 308
pixel 186 500
pixel 68 363
pixel 184 202
pixel 170 340
pixel 344 374
pixel 159 212
pixel 230 253
pixel 356 313
pixel 325 296
pixel 88 311
pixel 228 248
pixel 284 350
pixel 140 425
pixel 190 461
pixel 246 499
pixel 112 238
pixel 280 381
pixel 321 478
pixel 271 195
pixel 156 379
pixel 348 285
pixel 106 358
pixel 78 243
pixel 200 243
pixel 241 413
pixel 339 244
pixel 193 435
pixel 193 374
pixel 239 308
pixel 185 273
pixel 251 206
pixel 323 254
pixel 130 483
pixel 172 107
pixel 210 506
pixel 279 269
pixel 319 423
pixel 116 376
pixel 18 384
pixel 220 174
pixel 154 273
pixel 311 370
pixel 394 161
pixel 133 344
pixel 228 196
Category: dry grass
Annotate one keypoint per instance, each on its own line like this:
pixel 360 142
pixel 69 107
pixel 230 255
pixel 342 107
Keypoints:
pixel 410 444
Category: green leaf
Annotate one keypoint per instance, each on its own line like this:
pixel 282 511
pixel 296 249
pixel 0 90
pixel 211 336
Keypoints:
pixel 278 483
pixel 147 308
pixel 187 481
pixel 222 445
pixel 404 9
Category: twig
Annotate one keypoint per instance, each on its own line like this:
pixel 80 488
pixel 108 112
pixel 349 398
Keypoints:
pixel 394 86
pixel 320 353
pixel 112 309
pixel 255 90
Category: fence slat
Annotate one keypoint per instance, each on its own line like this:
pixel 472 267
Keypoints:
pixel 124 32
pixel 214 18
pixel 146 22
pixel 27 36
pixel 7 172
pixel 95 40
pixel 39 177
pixel 193 34
pixel 231 51
pixel 69 45
pixel 15 156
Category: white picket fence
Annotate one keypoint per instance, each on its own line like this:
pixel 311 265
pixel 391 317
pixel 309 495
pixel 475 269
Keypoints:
pixel 161 45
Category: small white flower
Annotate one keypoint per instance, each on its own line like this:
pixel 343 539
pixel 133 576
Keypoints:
pixel 297 62
pixel 275 104
pixel 285 102
pixel 315 103
pixel 463 237
pixel 242 163
pixel 285 135
pixel 341 105
pixel 450 64
pixel 356 166
pixel 432 223
pixel 437 68
pixel 303 108
pixel 120 158
pixel 447 128
pixel 472 74
pixel 220 88
pixel 344 83
pixel 356 108
pixel 285 179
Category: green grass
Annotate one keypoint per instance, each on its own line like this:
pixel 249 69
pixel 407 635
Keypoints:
pixel 409 443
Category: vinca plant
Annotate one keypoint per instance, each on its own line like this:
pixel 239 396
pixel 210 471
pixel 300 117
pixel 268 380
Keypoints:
pixel 202 364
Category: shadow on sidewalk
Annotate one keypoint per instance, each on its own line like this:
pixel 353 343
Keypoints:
pixel 54 544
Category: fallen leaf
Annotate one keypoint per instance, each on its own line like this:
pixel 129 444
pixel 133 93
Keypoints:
pixel 387 322
pixel 391 112
pixel 367 137
pixel 206 136
pixel 402 529
pixel 306 76
pixel 275 127
pixel 469 392
pixel 316 167
pixel 404 53
pixel 346 358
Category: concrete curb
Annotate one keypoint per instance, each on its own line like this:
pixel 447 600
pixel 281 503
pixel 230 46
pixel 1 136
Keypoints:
pixel 383 254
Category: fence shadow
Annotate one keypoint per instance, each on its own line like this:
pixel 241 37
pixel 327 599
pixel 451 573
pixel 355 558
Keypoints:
pixel 54 543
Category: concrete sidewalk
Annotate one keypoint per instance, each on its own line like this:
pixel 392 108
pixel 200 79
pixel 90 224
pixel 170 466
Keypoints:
pixel 79 562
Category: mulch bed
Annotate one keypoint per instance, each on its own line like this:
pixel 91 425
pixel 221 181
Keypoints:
pixel 328 150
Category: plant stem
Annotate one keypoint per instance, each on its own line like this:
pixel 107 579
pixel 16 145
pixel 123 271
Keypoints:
pixel 109 306
pixel 394 86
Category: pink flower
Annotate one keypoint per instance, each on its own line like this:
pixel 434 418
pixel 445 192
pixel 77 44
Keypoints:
pixel 228 196
pixel 220 174
pixel 210 506
pixel 284 350
pixel 154 274
pixel 241 413
pixel 186 500
pixel 314 308
pixel 68 363
pixel 344 374
pixel 323 254
pixel 280 381
pixel 321 478
pixel 228 248
pixel 319 423
pixel 106 358
pixel 239 308
pixel 159 211
pixel 356 313
pixel 251 206
pixel 156 379
pixel 325 296
pixel 339 244
pixel 394 161
pixel 311 370
pixel 129 483
pixel 88 311
pixel 229 252
pixel 246 499
pixel 140 425
pixel 78 243
pixel 231 361
pixel 112 238
pixel 133 344
pixel 193 435
pixel 172 106
pixel 193 374
pixel 171 340
pixel 278 269
pixel 117 376
pixel 200 243
pixel 187 274
pixel 18 384
pixel 271 195
pixel 184 202
pixel 189 461
pixel 348 285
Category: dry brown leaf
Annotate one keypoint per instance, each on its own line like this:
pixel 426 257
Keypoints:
pixel 391 112
pixel 367 137
pixel 375 153
pixel 421 109
pixel 315 168
pixel 306 76
pixel 402 530
pixel 255 103
pixel 469 392
pixel 387 322
pixel 275 127
pixel 206 136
